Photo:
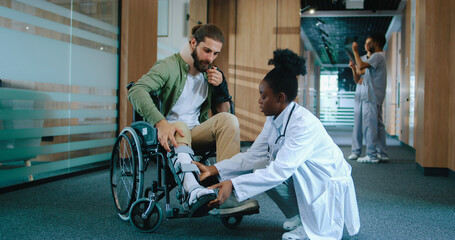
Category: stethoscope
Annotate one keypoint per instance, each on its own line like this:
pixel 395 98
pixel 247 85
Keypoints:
pixel 284 132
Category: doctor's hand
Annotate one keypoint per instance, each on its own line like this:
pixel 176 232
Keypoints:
pixel 223 194
pixel 214 76
pixel 166 132
pixel 206 171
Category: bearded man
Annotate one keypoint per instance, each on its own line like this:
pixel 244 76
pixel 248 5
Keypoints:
pixel 189 86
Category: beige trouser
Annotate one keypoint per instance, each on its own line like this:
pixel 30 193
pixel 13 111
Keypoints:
pixel 221 129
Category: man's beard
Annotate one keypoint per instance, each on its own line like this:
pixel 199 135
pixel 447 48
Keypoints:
pixel 199 64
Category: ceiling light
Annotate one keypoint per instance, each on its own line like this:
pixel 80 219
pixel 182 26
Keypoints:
pixel 311 11
pixel 302 10
pixel 354 4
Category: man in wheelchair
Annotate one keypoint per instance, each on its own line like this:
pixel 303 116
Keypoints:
pixel 189 85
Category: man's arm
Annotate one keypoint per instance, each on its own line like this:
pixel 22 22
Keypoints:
pixel 220 92
pixel 354 72
pixel 360 64
pixel 139 96
pixel 222 107
pixel 360 72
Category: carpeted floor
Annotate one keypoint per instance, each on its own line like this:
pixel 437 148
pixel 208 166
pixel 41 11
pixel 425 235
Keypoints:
pixel 395 202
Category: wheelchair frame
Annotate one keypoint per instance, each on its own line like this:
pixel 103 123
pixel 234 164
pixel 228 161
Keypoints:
pixel 134 149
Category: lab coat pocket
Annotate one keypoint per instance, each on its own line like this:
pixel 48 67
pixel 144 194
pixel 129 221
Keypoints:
pixel 321 212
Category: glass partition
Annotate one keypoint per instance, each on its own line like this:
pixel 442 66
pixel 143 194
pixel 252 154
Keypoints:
pixel 58 89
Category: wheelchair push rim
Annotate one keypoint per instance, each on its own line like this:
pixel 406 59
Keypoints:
pixel 125 172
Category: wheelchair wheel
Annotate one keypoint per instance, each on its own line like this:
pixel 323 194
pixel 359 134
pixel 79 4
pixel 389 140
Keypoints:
pixel 142 222
pixel 126 172
pixel 231 222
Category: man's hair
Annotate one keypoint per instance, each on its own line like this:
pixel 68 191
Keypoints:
pixel 283 78
pixel 378 38
pixel 200 32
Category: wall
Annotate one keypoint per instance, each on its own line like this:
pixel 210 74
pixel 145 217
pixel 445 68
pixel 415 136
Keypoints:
pixel 405 73
pixel 223 13
pixel 274 24
pixel 391 101
pixel 434 103
pixel 138 49
pixel 451 104
pixel 178 29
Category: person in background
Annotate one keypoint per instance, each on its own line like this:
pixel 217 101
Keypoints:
pixel 357 133
pixel 375 80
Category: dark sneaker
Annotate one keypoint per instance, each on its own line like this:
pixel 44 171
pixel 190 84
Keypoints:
pixel 383 157
pixel 232 206
pixel 200 207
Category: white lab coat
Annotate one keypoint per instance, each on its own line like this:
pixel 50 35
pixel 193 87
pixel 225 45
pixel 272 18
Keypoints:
pixel 322 177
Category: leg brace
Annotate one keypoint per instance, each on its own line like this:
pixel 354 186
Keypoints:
pixel 179 170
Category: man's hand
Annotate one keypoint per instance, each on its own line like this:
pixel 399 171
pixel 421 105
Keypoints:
pixel 206 171
pixel 355 47
pixel 351 65
pixel 214 76
pixel 166 132
pixel 223 194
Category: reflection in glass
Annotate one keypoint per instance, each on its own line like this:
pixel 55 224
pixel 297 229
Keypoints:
pixel 58 87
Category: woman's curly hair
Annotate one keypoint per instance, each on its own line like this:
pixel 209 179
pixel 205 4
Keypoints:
pixel 283 78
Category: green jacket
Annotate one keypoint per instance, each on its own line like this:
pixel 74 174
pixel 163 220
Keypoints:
pixel 167 78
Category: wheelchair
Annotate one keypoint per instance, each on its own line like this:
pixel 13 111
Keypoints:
pixel 135 149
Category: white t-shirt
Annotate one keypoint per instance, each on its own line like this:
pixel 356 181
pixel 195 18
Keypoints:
pixel 188 107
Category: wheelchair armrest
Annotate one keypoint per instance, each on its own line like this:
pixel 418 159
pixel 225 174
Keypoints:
pixel 147 131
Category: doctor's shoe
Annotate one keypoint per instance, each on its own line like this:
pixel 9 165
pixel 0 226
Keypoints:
pixel 353 156
pixel 232 206
pixel 367 159
pixel 296 234
pixel 292 223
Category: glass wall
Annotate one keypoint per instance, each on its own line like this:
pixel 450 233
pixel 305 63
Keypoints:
pixel 58 89
pixel 336 104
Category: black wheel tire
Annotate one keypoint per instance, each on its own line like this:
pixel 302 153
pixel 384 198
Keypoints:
pixel 231 222
pixel 151 222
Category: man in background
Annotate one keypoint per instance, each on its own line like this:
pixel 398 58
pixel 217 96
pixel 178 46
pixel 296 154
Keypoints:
pixel 375 81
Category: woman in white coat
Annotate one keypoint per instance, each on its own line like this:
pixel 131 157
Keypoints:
pixel 294 160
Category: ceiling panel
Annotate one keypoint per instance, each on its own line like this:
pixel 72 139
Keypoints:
pixel 328 35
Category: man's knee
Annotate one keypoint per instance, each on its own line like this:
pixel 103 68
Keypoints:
pixel 227 120
pixel 186 139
